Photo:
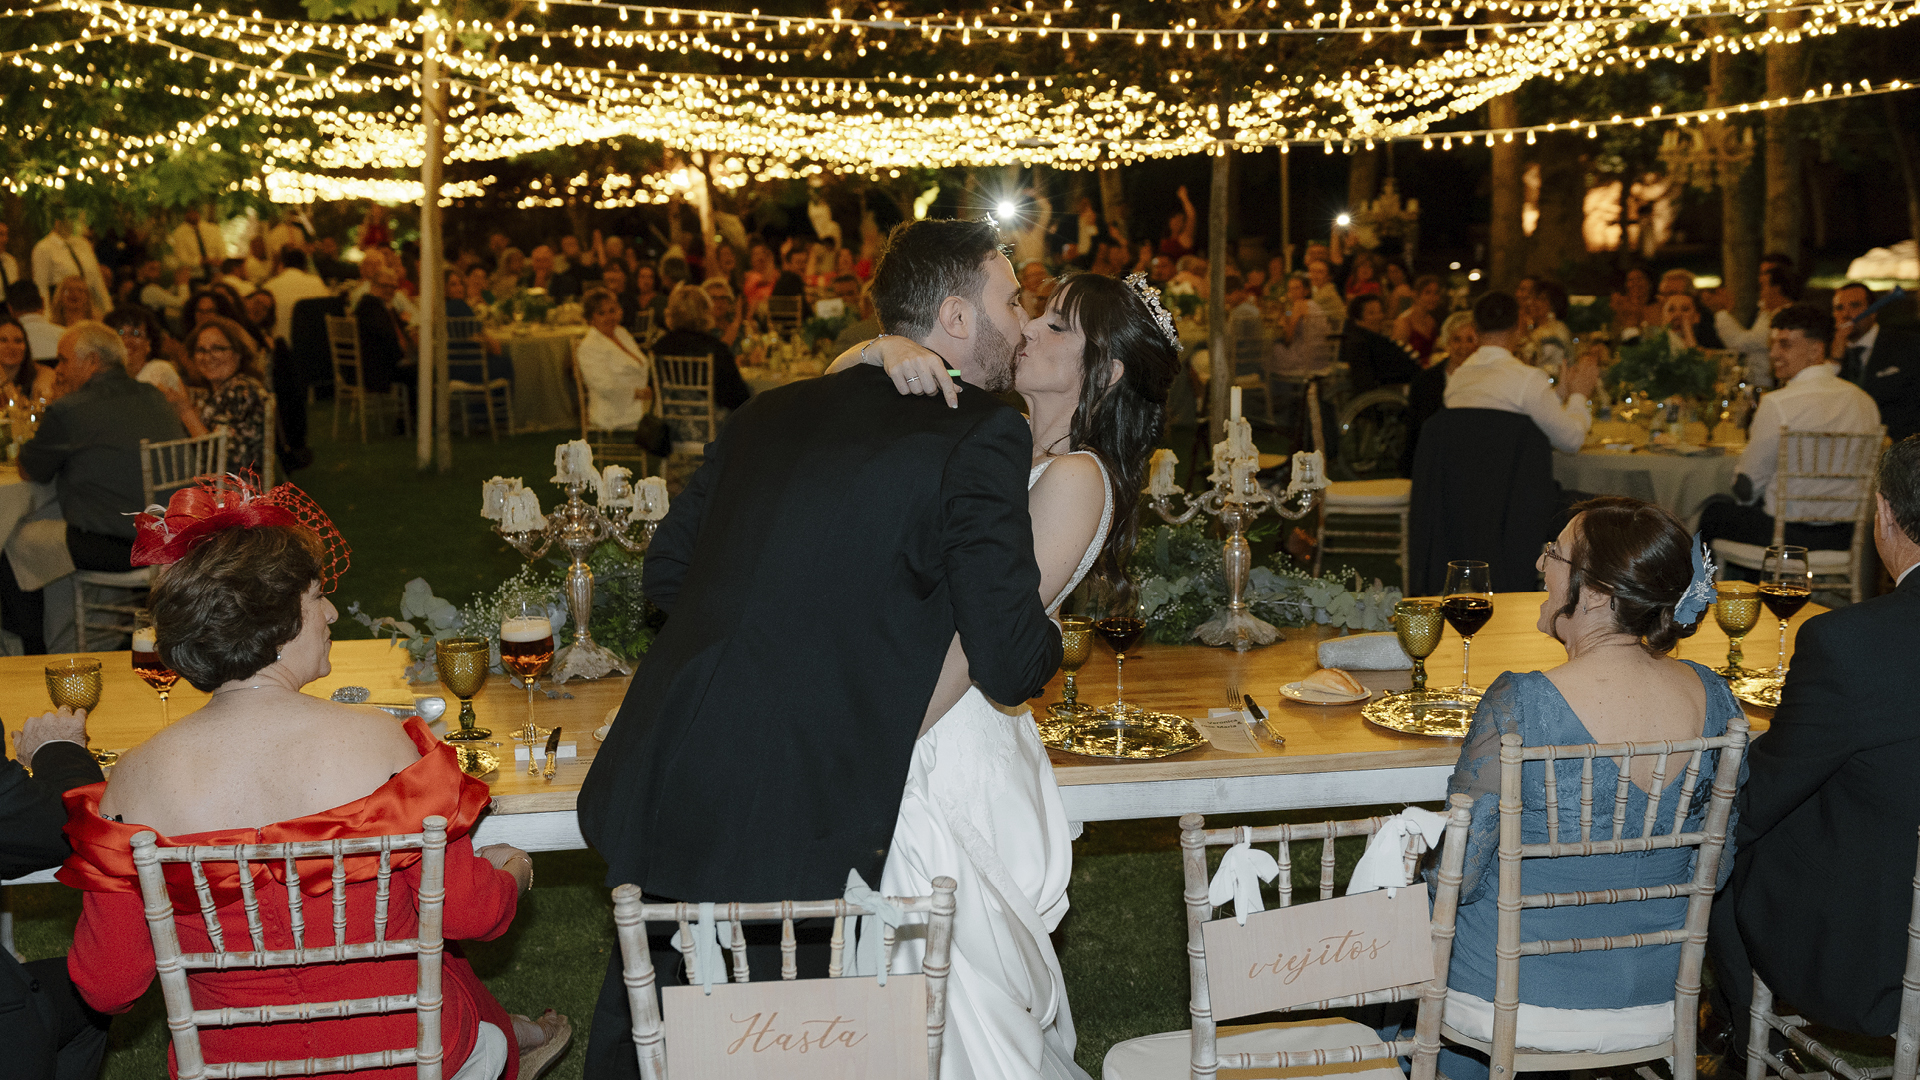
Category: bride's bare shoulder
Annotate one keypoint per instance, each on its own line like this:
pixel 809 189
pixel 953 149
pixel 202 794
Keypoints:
pixel 1072 475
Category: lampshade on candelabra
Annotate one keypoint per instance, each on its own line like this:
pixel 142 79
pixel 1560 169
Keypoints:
pixel 624 511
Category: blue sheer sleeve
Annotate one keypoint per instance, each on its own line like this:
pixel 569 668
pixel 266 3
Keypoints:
pixel 1477 775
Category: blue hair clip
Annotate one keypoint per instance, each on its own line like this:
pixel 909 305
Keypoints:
pixel 1700 591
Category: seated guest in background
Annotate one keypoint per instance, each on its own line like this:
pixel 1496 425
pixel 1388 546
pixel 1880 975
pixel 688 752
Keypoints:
pixel 1624 584
pixel 612 366
pixel 1249 341
pixel 1035 286
pixel 88 446
pixel 648 299
pixel 507 276
pixel 479 286
pixel 497 364
pixel 569 259
pixel 725 311
pixel 1372 358
pixel 614 279
pixel 386 343
pixel 1550 342
pixel 1364 280
pixel 1427 393
pixel 327 262
pixel 9 266
pixel 792 280
pixel 232 277
pixel 1777 289
pixel 72 303
pixel 155 297
pixel 18 373
pixel 542 275
pixel 757 282
pixel 1325 292
pixel 48 1032
pixel 690 333
pixel 1418 327
pixel 1493 378
pixel 1686 321
pixel 141 335
pixel 1882 360
pixel 292 284
pixel 1812 397
pixel 241 614
pixel 258 264
pixel 1300 334
pixel 1397 286
pixel 43 336
pixel 868 326
pixel 235 395
pixel 1822 886
pixel 1632 303
pixel 1676 282
pixel 289 390
pixel 210 304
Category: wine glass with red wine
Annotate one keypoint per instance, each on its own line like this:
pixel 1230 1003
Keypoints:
pixel 146 660
pixel 1468 604
pixel 1786 584
pixel 1120 632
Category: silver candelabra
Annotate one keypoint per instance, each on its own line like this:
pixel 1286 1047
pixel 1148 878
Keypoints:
pixel 1236 498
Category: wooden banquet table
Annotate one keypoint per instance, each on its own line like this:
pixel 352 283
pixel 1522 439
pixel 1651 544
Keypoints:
pixel 1331 757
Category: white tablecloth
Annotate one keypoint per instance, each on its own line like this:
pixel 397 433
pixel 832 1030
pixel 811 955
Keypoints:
pixel 35 538
pixel 543 393
pixel 1679 484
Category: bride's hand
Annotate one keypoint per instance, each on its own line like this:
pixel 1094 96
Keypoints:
pixel 914 368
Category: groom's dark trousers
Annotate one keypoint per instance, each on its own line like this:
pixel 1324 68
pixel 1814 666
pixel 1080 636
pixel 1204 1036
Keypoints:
pixel 815 570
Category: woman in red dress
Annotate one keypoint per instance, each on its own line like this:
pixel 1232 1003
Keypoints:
pixel 240 612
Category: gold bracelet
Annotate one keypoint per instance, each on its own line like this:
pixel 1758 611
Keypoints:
pixel 529 858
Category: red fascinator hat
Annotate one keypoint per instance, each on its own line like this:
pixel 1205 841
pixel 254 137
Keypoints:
pixel 212 504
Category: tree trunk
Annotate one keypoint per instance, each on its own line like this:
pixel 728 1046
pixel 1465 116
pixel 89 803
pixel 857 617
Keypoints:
pixel 1113 202
pixel 431 415
pixel 1286 209
pixel 1363 177
pixel 1217 291
pixel 1557 245
pixel 1506 241
pixel 1739 243
pixel 1909 154
pixel 1784 80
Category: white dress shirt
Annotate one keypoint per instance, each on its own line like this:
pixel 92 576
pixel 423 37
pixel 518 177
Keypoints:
pixel 613 370
pixel 1817 399
pixel 9 271
pixel 43 337
pixel 1754 343
pixel 57 258
pixel 288 287
pixel 1493 379
pixel 180 242
pixel 157 297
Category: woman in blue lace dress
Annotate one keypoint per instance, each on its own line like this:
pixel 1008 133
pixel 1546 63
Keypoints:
pixel 1624 585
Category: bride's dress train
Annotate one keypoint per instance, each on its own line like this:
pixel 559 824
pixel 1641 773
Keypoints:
pixel 981 807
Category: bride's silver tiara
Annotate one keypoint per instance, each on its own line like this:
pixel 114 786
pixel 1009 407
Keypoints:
pixel 1150 296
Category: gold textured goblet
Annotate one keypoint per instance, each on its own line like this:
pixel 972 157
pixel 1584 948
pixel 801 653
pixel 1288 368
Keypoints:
pixel 1076 645
pixel 1737 612
pixel 462 663
pixel 1418 623
pixel 75 683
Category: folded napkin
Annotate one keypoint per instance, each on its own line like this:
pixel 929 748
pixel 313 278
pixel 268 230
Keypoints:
pixel 868 941
pixel 1365 652
pixel 1384 866
pixel 1238 879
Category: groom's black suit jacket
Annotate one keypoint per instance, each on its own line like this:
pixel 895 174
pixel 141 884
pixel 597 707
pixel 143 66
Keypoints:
pixel 1822 885
pixel 814 571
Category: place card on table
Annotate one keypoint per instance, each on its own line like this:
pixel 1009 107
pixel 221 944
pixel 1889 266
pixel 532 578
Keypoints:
pixel 806 1029
pixel 566 751
pixel 1314 951
pixel 1227 730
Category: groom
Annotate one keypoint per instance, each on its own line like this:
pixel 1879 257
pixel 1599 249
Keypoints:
pixel 815 570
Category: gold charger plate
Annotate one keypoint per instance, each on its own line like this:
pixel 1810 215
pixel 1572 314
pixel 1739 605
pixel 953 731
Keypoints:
pixel 475 760
pixel 1442 713
pixel 1137 736
pixel 1761 690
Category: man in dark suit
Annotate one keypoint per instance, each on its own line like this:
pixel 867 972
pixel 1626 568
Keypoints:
pixel 816 569
pixel 47 1031
pixel 1882 360
pixel 1373 359
pixel 1822 883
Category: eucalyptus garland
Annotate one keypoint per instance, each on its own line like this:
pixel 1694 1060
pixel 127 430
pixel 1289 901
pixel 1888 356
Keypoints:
pixel 1181 583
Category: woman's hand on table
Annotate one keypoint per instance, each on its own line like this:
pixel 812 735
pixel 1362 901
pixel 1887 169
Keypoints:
pixel 61 725
pixel 512 860
pixel 1584 376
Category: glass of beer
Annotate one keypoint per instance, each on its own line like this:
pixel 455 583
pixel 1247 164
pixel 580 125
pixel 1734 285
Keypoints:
pixel 147 663
pixel 526 648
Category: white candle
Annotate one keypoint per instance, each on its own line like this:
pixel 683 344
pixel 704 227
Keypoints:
pixel 1160 481
pixel 616 488
pixel 1240 440
pixel 493 496
pixel 1240 478
pixel 523 513
pixel 1233 399
pixel 573 463
pixel 650 498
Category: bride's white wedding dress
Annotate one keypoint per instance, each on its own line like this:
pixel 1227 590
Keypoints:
pixel 981 807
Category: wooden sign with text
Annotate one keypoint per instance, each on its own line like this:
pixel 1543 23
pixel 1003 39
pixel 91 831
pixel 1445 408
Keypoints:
pixel 1311 952
pixel 808 1029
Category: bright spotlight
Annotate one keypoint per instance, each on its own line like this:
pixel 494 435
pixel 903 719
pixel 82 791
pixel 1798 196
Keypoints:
pixel 1343 221
pixel 1005 210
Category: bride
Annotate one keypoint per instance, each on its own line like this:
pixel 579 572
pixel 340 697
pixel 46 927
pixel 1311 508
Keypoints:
pixel 980 803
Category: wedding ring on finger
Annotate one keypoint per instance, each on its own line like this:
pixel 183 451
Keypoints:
pixel 914 379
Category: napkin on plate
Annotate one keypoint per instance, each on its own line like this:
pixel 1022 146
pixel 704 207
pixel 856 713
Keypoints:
pixel 1365 652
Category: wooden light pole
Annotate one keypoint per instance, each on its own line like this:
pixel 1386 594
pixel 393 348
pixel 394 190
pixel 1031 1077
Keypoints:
pixel 430 405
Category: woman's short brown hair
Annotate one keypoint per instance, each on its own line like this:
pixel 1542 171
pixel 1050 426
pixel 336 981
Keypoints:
pixel 1639 555
pixel 236 336
pixel 594 301
pixel 225 610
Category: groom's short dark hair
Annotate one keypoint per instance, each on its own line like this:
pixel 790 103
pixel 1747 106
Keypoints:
pixel 925 262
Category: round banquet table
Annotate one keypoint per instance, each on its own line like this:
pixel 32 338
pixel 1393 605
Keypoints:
pixel 543 394
pixel 1678 483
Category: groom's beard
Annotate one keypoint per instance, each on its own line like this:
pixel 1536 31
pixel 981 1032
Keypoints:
pixel 993 359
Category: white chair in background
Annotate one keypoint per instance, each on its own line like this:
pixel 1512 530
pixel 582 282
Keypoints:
pixel 1822 476
pixel 683 395
pixel 467 377
pixel 349 387
pixel 1365 507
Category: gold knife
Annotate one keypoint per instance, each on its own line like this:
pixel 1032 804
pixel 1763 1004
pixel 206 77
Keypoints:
pixel 553 748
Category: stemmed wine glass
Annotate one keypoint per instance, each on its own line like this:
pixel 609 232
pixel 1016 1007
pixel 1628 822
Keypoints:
pixel 462 663
pixel 526 648
pixel 147 663
pixel 1786 584
pixel 1467 607
pixel 1076 645
pixel 1736 611
pixel 1418 624
pixel 1120 632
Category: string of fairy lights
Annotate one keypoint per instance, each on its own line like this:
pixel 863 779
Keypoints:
pixel 309 98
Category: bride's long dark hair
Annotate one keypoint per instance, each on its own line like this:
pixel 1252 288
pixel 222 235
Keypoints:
pixel 1120 419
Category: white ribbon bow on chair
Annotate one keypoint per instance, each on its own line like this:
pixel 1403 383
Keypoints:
pixel 868 943
pixel 1238 879
pixel 1384 866
pixel 708 937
